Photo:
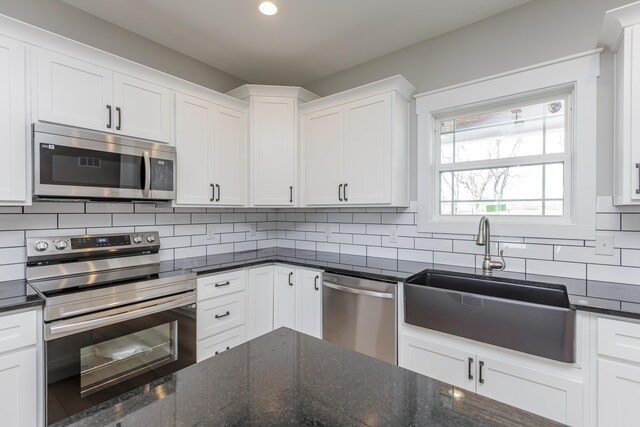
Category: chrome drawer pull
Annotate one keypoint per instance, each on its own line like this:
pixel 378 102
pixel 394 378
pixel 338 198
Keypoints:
pixel 220 316
pixel 219 285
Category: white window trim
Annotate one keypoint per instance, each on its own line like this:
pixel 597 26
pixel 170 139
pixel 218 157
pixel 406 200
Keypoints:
pixel 579 71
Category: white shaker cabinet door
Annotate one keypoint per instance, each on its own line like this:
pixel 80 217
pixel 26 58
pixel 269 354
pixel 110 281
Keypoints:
pixel 309 310
pixel 323 134
pixel 551 396
pixel 230 156
pixel 273 150
pixel 284 298
pixel 18 388
pixel 194 146
pixel 74 92
pixel 13 132
pixel 142 109
pixel 618 391
pixel 259 301
pixel 366 151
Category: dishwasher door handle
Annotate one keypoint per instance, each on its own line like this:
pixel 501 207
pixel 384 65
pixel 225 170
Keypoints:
pixel 358 291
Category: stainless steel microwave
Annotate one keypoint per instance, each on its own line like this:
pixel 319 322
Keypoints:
pixel 72 163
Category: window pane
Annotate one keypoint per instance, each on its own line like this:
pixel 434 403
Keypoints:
pixel 514 190
pixel 524 130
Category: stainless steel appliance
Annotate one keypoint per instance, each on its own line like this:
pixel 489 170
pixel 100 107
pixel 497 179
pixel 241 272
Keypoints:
pixel 115 317
pixel 79 164
pixel 360 314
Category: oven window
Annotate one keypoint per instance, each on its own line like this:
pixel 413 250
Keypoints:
pixel 60 165
pixel 110 362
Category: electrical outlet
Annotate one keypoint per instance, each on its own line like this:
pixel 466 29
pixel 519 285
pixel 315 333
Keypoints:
pixel 393 235
pixel 327 233
pixel 604 244
pixel 252 230
pixel 211 233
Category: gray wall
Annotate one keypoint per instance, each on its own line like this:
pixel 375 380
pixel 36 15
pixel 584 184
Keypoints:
pixel 60 18
pixel 537 31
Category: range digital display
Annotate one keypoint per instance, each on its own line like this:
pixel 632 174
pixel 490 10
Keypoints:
pixel 100 242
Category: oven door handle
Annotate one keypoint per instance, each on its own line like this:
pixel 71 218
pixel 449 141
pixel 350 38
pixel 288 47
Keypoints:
pixel 100 319
pixel 147 175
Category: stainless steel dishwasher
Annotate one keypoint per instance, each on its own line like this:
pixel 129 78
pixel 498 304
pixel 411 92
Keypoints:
pixel 360 314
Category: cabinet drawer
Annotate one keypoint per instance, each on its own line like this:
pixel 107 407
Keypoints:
pixel 220 314
pixel 17 331
pixel 619 339
pixel 224 341
pixel 220 284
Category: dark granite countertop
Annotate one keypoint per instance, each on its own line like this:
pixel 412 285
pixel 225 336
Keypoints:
pixel 16 295
pixel 610 298
pixel 286 378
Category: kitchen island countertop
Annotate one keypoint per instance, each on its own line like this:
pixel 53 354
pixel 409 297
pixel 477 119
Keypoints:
pixel 286 378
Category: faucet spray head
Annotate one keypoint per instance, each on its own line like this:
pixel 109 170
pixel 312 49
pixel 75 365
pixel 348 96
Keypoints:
pixel 481 239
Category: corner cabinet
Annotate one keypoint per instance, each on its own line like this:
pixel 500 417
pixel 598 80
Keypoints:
pixel 356 146
pixel 13 125
pixel 621 34
pixel 211 144
pixel 78 93
pixel 273 134
pixel 297 302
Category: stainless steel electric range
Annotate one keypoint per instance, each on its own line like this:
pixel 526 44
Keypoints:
pixel 115 317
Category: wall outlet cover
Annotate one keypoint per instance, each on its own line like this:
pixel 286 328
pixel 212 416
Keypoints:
pixel 604 244
pixel 393 235
pixel 252 230
pixel 327 234
pixel 211 233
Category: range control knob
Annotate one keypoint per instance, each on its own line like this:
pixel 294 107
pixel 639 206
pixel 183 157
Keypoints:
pixel 41 246
pixel 151 238
pixel 61 244
pixel 137 239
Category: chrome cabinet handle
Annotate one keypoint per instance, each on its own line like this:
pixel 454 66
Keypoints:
pixel 291 194
pixel 147 175
pixel 638 167
pixel 220 316
pixel 119 111
pixel 315 283
pixel 110 117
pixel 340 192
pixel 480 379
pixel 219 285
pixel 290 276
pixel 218 188
pixel 344 193
pixel 470 376
pixel 213 193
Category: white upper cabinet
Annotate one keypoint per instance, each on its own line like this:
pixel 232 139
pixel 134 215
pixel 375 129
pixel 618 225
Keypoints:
pixel 211 145
pixel 81 94
pixel 74 92
pixel 621 33
pixel 13 127
pixel 273 141
pixel 356 146
pixel 142 109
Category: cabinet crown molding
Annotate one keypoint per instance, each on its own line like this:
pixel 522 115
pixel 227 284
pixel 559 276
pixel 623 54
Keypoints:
pixel 245 91
pixel 396 83
pixel 615 20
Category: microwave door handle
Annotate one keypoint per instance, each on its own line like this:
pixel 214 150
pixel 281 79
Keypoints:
pixel 147 175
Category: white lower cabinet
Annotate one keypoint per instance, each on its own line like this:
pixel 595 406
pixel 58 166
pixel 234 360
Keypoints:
pixel 309 302
pixel 556 393
pixel 221 312
pixel 19 404
pixel 259 301
pixel 284 299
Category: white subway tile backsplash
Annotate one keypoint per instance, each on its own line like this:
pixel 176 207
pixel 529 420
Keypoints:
pixel 527 250
pixel 152 207
pixel 415 255
pixel 245 246
pixel 353 250
pixel 367 240
pixel 205 218
pixel 379 252
pixel 55 232
pixel 84 220
pixel 28 221
pixel 233 217
pixel 399 218
pixel 340 217
pixel 353 228
pixel 12 272
pixel 631 222
pixel 180 218
pixel 219 249
pixel 441 245
pixel 608 273
pixel 327 247
pixel 104 230
pixel 269 243
pixel 316 217
pixel 631 258
pixel 305 226
pixel 11 238
pixel 305 245
pixel 401 242
pixel 450 258
pixel 556 268
pixel 134 219
pixel 109 208
pixel 13 255
pixel 175 242
pixel 189 252
pixel 54 207
pixel 232 237
pixel 608 221
pixel 367 218
pixel 470 247
pixel 185 230
pixel 584 254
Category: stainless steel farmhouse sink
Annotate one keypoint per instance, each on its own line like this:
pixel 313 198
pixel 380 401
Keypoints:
pixel 530 317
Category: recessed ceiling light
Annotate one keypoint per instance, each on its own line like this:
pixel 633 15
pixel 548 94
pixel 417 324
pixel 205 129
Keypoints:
pixel 268 8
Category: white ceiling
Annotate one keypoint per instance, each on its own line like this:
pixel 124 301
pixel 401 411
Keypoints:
pixel 305 41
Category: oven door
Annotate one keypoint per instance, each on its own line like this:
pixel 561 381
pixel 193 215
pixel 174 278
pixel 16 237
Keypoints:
pixel 94 358
pixel 80 168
